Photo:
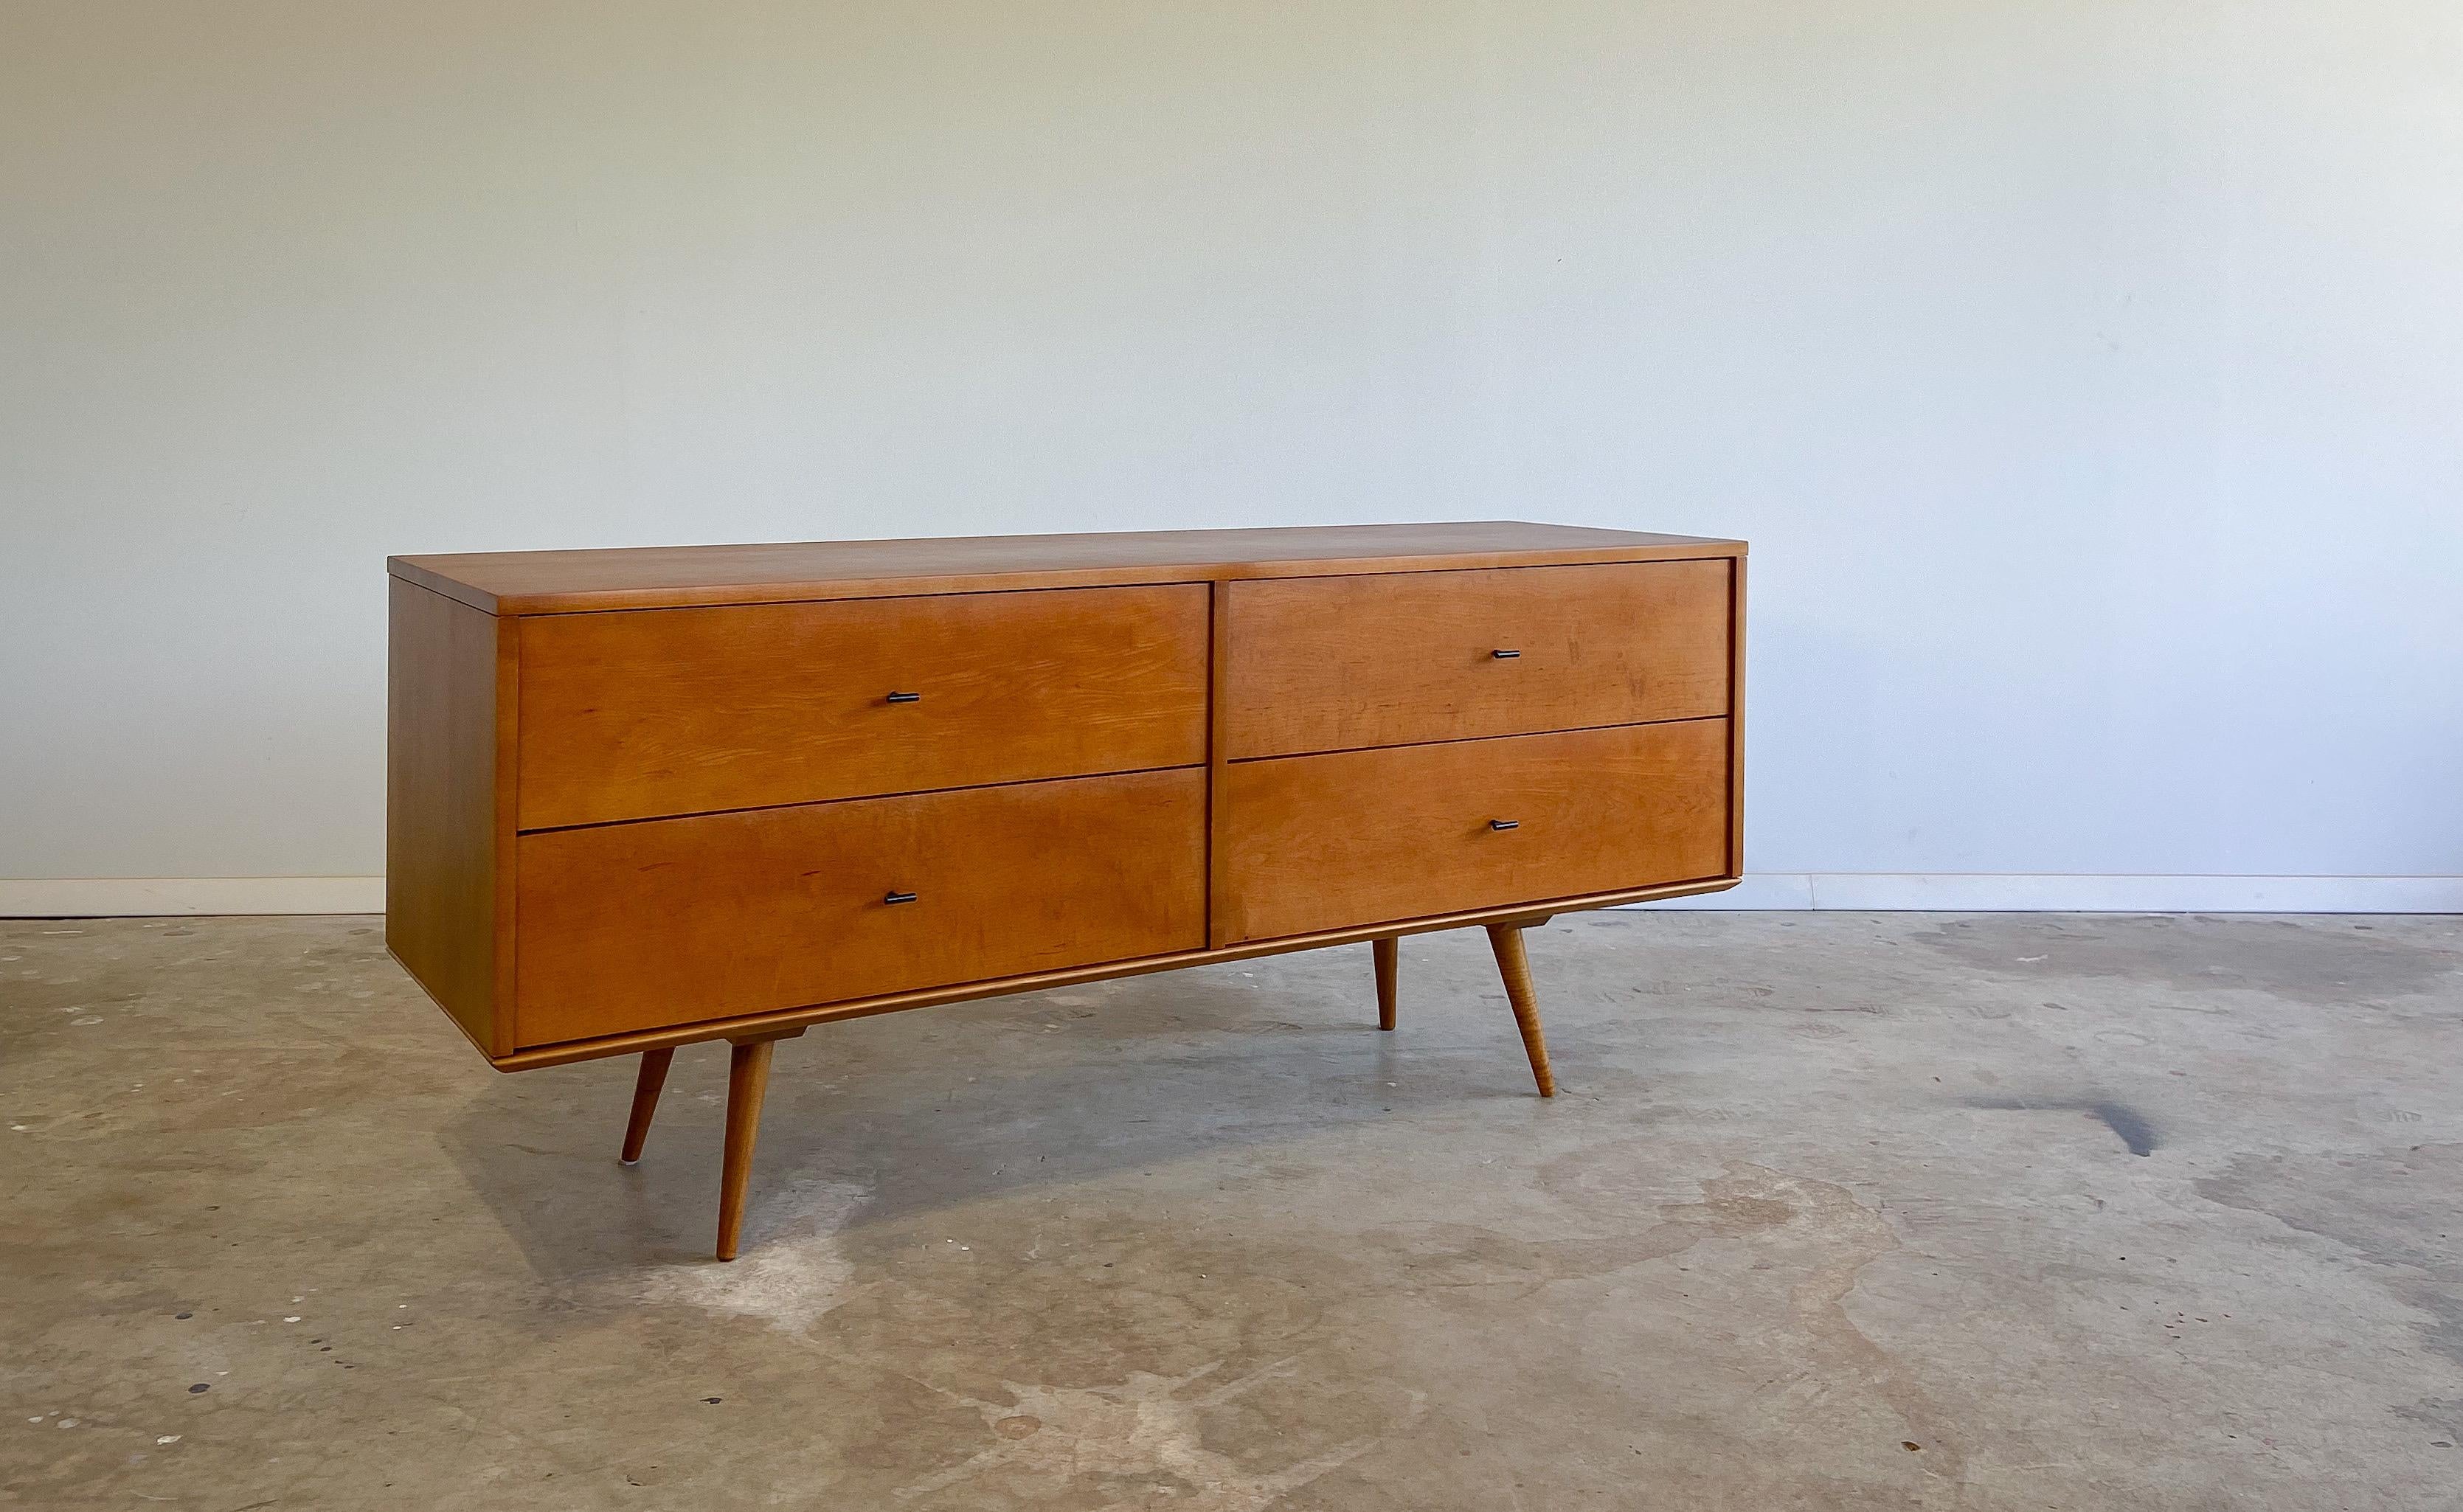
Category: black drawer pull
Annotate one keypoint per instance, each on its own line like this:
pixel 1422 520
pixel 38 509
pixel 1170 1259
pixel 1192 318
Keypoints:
pixel 1505 656
pixel 1505 824
pixel 899 898
pixel 905 698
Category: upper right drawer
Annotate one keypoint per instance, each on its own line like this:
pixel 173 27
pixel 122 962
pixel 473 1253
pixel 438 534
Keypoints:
pixel 1337 663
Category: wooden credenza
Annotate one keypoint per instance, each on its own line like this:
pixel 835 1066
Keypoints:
pixel 645 797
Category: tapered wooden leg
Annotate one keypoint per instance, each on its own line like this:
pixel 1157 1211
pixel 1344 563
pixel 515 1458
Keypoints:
pixel 645 1099
pixel 1516 968
pixel 1389 966
pixel 748 1079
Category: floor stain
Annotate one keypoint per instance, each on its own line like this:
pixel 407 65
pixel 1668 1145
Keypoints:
pixel 2320 961
pixel 1751 1203
pixel 2442 1416
pixel 1852 1236
pixel 2396 1211
pixel 1136 1443
pixel 792 1271
pixel 2132 1126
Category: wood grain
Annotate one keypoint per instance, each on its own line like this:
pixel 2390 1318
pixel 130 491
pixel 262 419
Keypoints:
pixel 1337 663
pixel 1216 756
pixel 1514 968
pixel 648 1084
pixel 1388 953
pixel 631 926
pixel 567 582
pixel 441 804
pixel 458 718
pixel 1737 722
pixel 748 1083
pixel 1320 842
pixel 632 1042
pixel 673 711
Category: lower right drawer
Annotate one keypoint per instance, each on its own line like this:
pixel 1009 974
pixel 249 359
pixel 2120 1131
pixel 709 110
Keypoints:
pixel 1311 843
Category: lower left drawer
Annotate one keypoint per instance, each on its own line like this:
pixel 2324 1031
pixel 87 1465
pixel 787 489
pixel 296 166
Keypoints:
pixel 643 925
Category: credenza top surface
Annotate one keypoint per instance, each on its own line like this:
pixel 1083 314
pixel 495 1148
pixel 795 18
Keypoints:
pixel 654 577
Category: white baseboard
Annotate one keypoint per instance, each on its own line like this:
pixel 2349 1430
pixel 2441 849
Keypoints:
pixel 1855 892
pixel 1993 893
pixel 141 896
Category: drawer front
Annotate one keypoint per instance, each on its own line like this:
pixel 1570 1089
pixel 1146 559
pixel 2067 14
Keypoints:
pixel 1338 664
pixel 635 926
pixel 1359 837
pixel 676 711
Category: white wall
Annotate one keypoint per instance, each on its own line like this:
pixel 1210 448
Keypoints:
pixel 2088 375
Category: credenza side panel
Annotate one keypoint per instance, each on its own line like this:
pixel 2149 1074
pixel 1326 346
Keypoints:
pixel 441 802
pixel 668 921
pixel 1737 718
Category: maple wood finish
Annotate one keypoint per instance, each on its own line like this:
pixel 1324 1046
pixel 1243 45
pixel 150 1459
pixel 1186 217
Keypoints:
pixel 1514 965
pixel 625 926
pixel 1512 651
pixel 1314 842
pixel 632 716
pixel 1388 952
pixel 650 1081
pixel 446 805
pixel 642 798
pixel 748 1083
pixel 643 577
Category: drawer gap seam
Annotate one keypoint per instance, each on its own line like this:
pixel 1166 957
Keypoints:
pixel 861 797
pixel 1467 740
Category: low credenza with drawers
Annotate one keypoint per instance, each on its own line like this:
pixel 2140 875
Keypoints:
pixel 641 798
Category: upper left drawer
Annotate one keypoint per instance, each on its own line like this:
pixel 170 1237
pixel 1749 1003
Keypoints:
pixel 635 714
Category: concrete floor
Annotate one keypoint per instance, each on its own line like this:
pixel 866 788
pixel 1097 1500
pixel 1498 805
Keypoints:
pixel 1835 1211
